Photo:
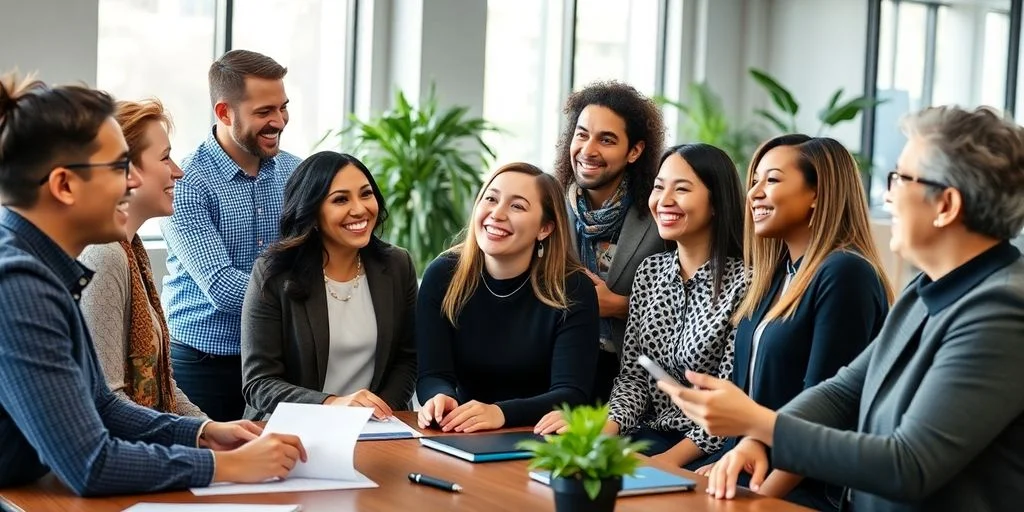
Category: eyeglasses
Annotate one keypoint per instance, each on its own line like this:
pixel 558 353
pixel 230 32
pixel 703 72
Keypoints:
pixel 123 165
pixel 896 176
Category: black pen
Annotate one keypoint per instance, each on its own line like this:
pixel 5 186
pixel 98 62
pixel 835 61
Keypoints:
pixel 445 485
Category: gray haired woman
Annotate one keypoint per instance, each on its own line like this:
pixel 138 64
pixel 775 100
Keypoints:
pixel 931 415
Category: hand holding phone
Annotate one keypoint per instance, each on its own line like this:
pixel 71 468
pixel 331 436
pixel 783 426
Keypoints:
pixel 658 372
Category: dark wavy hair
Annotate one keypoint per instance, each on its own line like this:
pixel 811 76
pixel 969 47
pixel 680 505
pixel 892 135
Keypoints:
pixel 717 172
pixel 643 123
pixel 301 248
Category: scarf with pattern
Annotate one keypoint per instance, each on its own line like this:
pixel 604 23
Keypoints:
pixel 147 373
pixel 598 224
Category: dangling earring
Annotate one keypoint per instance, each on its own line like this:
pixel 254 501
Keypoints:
pixel 540 250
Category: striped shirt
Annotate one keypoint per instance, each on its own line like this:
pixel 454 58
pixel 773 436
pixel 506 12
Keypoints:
pixel 56 412
pixel 223 219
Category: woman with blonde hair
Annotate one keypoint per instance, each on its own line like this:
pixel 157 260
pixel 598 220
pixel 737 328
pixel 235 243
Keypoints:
pixel 121 305
pixel 818 294
pixel 507 321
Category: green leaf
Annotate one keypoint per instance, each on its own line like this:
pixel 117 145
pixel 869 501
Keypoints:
pixel 774 120
pixel 834 99
pixel 847 111
pixel 593 488
pixel 779 94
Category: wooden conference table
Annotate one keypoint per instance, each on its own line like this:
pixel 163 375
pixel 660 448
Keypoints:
pixel 488 486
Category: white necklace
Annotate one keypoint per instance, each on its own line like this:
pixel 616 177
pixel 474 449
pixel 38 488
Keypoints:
pixel 359 272
pixel 506 295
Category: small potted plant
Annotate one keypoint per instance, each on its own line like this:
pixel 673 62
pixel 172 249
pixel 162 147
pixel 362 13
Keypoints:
pixel 586 465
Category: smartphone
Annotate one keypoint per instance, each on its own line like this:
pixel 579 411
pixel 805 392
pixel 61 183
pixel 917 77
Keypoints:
pixel 658 372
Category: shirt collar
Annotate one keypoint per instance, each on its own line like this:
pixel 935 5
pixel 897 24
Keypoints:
pixel 73 274
pixel 793 266
pixel 225 164
pixel 703 273
pixel 937 295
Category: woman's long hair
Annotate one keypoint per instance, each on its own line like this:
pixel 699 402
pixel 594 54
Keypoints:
pixel 717 172
pixel 301 247
pixel 547 274
pixel 838 222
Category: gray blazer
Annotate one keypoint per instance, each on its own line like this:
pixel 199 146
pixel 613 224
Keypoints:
pixel 286 342
pixel 638 239
pixel 934 406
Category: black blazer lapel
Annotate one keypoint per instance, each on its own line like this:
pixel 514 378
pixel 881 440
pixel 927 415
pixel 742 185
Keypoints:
pixel 319 326
pixel 382 295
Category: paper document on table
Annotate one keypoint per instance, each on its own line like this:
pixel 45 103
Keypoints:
pixel 287 485
pixel 210 507
pixel 328 433
pixel 390 428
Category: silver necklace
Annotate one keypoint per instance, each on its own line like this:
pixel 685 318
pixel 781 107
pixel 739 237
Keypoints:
pixel 506 295
pixel 359 272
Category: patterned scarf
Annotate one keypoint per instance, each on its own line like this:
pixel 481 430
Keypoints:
pixel 600 224
pixel 147 373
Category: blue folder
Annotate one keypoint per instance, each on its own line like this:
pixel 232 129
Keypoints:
pixel 647 480
pixel 482 447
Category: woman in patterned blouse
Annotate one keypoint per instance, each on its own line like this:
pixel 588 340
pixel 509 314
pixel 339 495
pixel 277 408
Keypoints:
pixel 681 301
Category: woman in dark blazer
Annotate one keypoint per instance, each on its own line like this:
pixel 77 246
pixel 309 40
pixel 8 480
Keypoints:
pixel 931 416
pixel 329 312
pixel 818 294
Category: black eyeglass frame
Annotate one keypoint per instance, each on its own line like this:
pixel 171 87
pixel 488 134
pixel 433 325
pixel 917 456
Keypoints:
pixel 893 175
pixel 125 165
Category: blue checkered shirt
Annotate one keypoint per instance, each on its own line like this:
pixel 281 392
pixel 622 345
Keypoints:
pixel 223 219
pixel 56 412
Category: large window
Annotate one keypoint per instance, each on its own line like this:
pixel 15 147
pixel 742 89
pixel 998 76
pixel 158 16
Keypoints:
pixel 522 78
pixel 161 49
pixel 310 38
pixel 617 39
pixel 527 59
pixel 933 53
pixel 164 48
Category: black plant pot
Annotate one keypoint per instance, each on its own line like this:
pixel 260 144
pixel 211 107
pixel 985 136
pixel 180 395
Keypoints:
pixel 571 496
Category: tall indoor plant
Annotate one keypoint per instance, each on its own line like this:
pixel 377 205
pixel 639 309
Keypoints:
pixel 586 465
pixel 705 120
pixel 428 162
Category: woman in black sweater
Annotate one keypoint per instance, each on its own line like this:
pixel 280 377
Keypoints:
pixel 507 322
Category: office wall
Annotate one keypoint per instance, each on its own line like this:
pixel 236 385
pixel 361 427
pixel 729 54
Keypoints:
pixel 814 48
pixel 56 38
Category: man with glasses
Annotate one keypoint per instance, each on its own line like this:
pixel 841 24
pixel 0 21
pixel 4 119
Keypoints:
pixel 65 182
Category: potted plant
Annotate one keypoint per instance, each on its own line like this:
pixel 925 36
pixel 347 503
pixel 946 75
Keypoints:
pixel 586 465
pixel 428 162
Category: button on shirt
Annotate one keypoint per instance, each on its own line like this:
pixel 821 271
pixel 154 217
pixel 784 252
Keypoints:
pixel 213 238
pixel 56 412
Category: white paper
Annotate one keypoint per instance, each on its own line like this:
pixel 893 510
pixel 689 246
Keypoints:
pixel 287 485
pixel 390 428
pixel 209 507
pixel 328 433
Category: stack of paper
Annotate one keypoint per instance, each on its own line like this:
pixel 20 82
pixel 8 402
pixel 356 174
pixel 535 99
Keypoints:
pixel 328 434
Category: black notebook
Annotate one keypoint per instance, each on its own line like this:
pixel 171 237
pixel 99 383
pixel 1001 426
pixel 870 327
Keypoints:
pixel 482 447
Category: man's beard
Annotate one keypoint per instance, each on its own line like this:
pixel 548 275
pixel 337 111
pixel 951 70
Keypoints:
pixel 250 143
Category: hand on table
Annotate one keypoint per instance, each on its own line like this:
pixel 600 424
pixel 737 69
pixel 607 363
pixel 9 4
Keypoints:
pixel 269 456
pixel 219 436
pixel 750 456
pixel 434 410
pixel 473 416
pixel 363 398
